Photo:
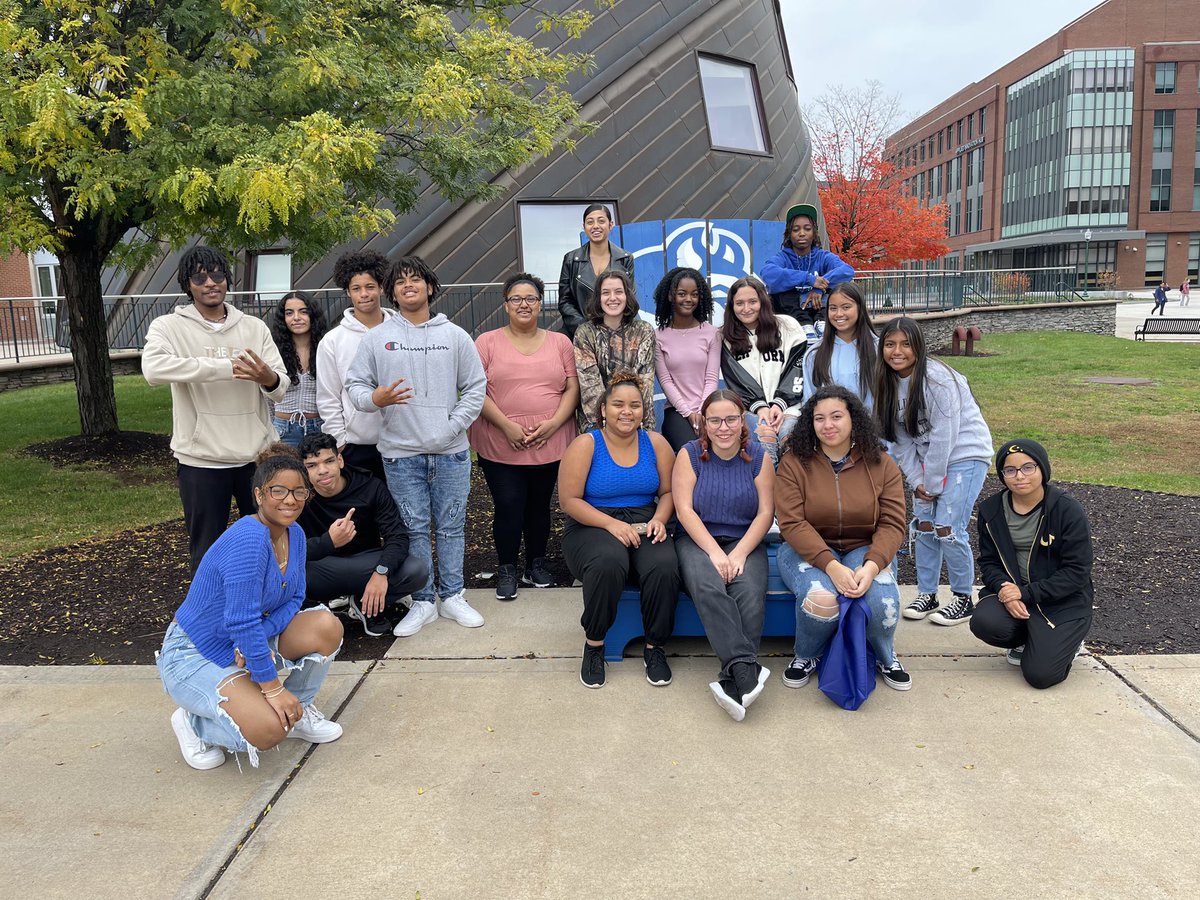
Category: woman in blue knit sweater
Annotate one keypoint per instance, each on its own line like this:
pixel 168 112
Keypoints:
pixel 724 500
pixel 240 622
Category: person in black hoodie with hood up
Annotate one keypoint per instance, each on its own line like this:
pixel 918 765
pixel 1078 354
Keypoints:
pixel 1035 556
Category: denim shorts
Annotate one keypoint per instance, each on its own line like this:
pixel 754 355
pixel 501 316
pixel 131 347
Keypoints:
pixel 192 681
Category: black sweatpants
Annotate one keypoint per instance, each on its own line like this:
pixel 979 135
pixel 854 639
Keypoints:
pixel 335 576
pixel 206 494
pixel 677 429
pixel 1049 652
pixel 605 566
pixel 521 499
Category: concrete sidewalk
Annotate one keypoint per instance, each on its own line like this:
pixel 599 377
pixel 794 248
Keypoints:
pixel 1132 313
pixel 474 764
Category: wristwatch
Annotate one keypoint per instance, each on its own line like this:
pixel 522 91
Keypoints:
pixel 381 570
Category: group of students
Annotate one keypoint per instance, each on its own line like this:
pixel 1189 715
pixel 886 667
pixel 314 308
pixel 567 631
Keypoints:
pixel 403 395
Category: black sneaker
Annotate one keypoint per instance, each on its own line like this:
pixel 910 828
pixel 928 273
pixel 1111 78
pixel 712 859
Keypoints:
pixel 373 626
pixel 506 582
pixel 955 613
pixel 537 574
pixel 895 677
pixel 921 607
pixel 1014 655
pixel 797 674
pixel 725 696
pixel 591 673
pixel 750 679
pixel 657 671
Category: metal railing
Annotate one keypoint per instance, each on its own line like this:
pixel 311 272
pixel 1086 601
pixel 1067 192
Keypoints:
pixel 29 330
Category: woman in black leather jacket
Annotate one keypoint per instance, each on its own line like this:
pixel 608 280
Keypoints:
pixel 582 267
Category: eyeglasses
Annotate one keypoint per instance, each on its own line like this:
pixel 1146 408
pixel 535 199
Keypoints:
pixel 727 421
pixel 279 492
pixel 198 278
pixel 523 301
pixel 1011 471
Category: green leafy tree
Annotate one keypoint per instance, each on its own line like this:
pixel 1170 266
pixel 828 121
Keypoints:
pixel 131 125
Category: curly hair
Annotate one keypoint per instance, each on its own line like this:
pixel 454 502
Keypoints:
pixel 664 296
pixel 201 259
pixel 284 339
pixel 731 397
pixel 864 432
pixel 594 312
pixel 412 265
pixel 734 333
pixel 360 262
pixel 524 278
pixel 619 378
pixel 864 339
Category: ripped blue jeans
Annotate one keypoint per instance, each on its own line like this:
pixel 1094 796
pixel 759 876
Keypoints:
pixel 813 632
pixel 952 509
pixel 192 681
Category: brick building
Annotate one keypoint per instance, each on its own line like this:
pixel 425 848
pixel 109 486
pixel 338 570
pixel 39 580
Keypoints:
pixel 19 318
pixel 1082 151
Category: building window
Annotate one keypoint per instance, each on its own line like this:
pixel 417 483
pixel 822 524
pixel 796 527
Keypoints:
pixel 49 279
pixel 1164 78
pixel 970 126
pixel 960 131
pixel 1160 190
pixel 549 230
pixel 272 276
pixel 982 121
pixel 1164 130
pixel 733 105
pixel 1194 257
pixel 1156 258
pixel 1196 189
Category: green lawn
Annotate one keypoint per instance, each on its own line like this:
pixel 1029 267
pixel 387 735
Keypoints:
pixel 1138 437
pixel 41 506
pixel 1124 435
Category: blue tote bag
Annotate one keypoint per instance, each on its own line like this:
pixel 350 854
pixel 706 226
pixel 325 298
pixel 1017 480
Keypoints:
pixel 846 672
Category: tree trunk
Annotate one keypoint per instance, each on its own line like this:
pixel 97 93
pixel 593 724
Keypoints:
pixel 82 266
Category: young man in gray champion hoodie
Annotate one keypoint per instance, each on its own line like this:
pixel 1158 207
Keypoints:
pixel 423 375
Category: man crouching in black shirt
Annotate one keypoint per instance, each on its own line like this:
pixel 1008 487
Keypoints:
pixel 357 542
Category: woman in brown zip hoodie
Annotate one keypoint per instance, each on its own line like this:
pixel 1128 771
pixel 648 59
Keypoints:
pixel 839 500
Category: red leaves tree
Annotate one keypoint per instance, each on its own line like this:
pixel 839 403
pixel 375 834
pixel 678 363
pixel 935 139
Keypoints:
pixel 872 220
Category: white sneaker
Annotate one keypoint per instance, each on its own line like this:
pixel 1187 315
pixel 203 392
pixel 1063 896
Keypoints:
pixel 196 753
pixel 458 609
pixel 340 602
pixel 419 615
pixel 315 728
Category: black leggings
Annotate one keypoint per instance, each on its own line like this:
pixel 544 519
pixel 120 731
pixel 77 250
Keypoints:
pixel 521 497
pixel 677 429
pixel 206 494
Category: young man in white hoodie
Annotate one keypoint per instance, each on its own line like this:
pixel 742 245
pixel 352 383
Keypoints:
pixel 424 376
pixel 222 367
pixel 361 275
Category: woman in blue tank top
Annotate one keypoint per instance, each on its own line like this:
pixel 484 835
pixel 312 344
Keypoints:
pixel 724 498
pixel 614 484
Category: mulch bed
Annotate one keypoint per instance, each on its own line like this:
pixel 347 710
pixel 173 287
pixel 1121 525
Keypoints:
pixel 110 600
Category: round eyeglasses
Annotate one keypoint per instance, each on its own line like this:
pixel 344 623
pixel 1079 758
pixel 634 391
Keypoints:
pixel 279 492
pixel 1027 470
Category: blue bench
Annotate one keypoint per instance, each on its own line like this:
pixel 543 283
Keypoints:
pixel 779 621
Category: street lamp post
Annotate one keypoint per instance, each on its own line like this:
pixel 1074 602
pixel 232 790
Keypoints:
pixel 1087 246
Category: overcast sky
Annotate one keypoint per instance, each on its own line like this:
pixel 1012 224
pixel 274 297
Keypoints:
pixel 923 50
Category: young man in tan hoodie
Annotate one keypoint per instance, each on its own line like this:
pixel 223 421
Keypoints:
pixel 222 367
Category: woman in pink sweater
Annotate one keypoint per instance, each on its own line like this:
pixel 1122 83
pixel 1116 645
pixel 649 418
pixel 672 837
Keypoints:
pixel 687 351
pixel 526 426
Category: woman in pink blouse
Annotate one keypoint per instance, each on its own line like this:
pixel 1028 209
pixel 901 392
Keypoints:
pixel 526 426
pixel 687 351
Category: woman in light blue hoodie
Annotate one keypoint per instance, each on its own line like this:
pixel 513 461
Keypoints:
pixel 943 446
pixel 848 350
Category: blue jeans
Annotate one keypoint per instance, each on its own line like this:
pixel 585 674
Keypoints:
pixel 191 680
pixel 292 431
pixel 813 633
pixel 952 509
pixel 788 426
pixel 431 490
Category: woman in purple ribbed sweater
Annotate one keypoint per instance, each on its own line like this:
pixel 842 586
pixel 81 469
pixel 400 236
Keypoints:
pixel 241 622
pixel 724 500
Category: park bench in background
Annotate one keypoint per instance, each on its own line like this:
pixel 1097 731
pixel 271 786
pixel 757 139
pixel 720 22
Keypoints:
pixel 1163 325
